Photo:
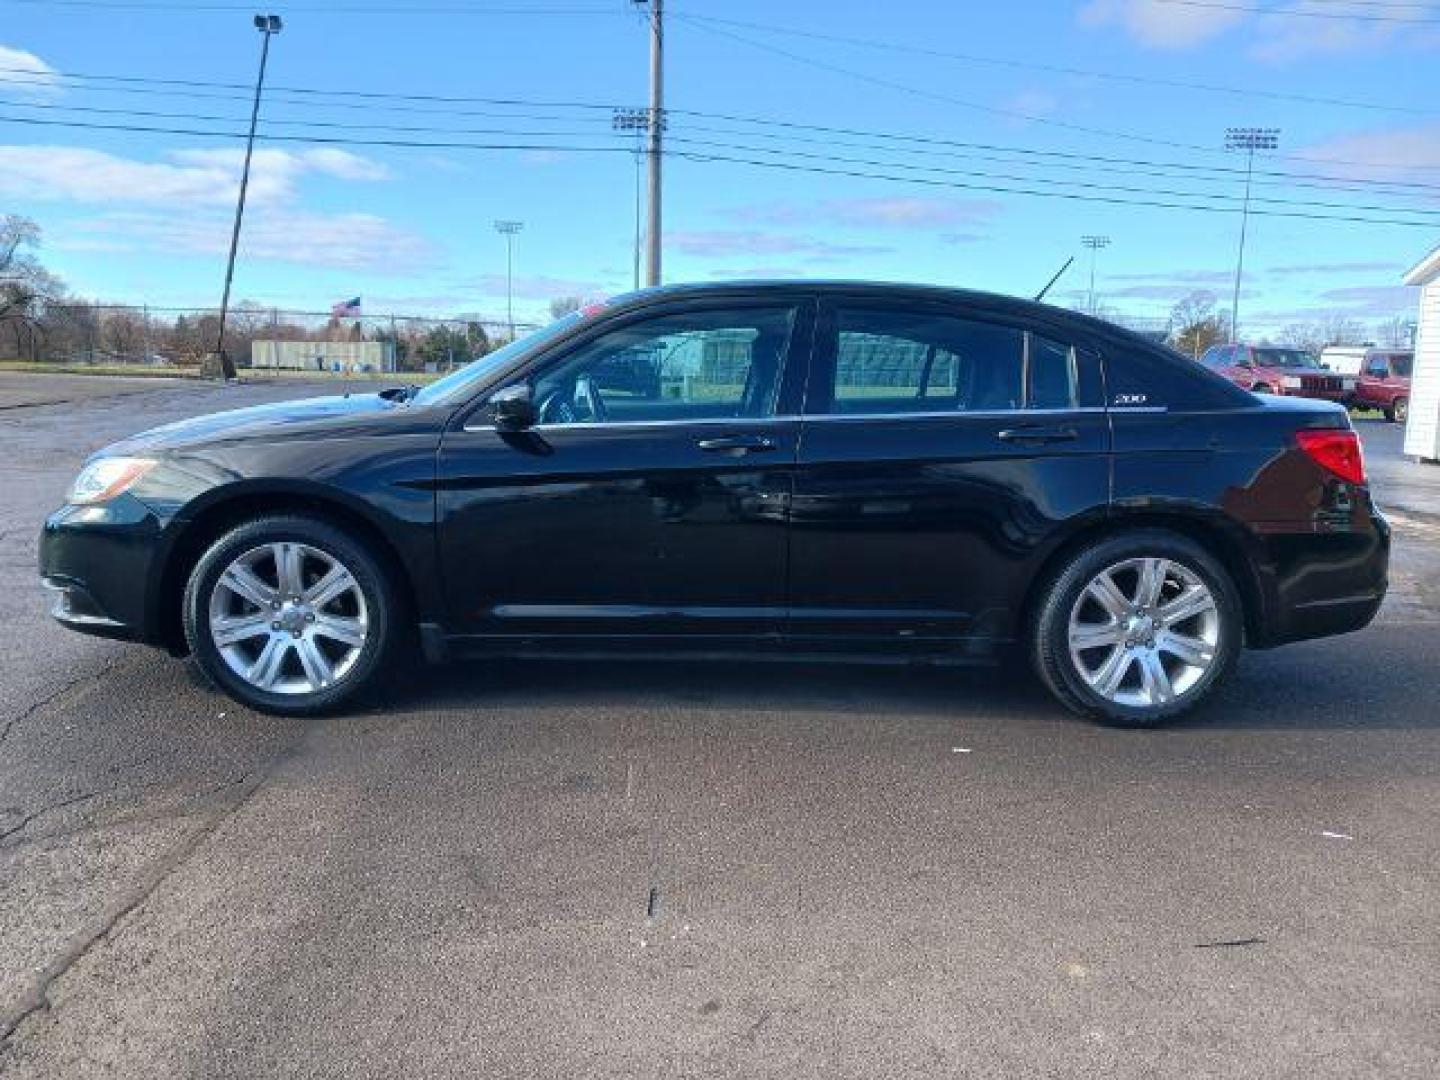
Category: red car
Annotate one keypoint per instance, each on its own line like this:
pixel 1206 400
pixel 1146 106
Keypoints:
pixel 1384 384
pixel 1276 369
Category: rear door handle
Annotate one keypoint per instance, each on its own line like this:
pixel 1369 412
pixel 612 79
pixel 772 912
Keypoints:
pixel 1038 434
pixel 737 444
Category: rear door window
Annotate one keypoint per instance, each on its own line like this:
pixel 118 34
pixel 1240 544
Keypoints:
pixel 888 361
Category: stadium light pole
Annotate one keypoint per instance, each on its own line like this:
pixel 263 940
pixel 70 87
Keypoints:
pixel 269 26
pixel 1248 139
pixel 1094 243
pixel 508 229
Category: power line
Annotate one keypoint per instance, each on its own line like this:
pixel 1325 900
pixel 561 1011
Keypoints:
pixel 1081 184
pixel 1299 13
pixel 1298 215
pixel 740 160
pixel 731 146
pixel 314 96
pixel 1014 114
pixel 892 143
pixel 320 9
pixel 319 139
pixel 933 95
pixel 1092 73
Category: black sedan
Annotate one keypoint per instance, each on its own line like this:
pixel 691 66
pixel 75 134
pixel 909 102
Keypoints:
pixel 826 470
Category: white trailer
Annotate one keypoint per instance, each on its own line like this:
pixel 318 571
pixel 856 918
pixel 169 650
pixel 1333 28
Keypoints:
pixel 1422 431
pixel 1344 359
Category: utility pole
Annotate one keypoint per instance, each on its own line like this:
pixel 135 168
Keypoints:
pixel 1094 243
pixel 656 130
pixel 1248 139
pixel 508 229
pixel 637 121
pixel 269 26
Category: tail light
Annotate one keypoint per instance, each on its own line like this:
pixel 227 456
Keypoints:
pixel 1338 451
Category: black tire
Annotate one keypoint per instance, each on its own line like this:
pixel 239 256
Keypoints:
pixel 1398 411
pixel 1049 628
pixel 374 656
pixel 1261 388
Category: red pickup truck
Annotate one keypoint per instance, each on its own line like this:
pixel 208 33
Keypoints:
pixel 1384 383
pixel 1277 369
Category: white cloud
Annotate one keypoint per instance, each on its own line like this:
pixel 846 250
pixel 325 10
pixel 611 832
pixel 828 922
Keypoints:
pixel 1409 153
pixel 1308 28
pixel 530 287
pixel 1156 24
pixel 350 241
pixel 885 212
pixel 23 74
pixel 188 179
pixel 724 243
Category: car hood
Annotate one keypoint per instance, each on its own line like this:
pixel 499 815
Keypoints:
pixel 281 420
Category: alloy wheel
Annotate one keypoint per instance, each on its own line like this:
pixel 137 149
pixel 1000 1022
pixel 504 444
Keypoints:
pixel 288 618
pixel 1144 632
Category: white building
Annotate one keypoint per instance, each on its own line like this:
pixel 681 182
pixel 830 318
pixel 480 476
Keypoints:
pixel 1422 431
pixel 333 356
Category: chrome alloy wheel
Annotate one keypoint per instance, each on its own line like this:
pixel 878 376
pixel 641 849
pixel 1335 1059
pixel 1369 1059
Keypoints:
pixel 1144 632
pixel 288 618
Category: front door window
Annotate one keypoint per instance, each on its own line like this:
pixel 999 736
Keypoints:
pixel 695 366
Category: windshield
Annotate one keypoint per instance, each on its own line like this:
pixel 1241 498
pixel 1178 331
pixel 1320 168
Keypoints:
pixel 460 382
pixel 1286 358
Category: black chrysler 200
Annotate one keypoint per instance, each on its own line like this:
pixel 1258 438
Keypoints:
pixel 818 470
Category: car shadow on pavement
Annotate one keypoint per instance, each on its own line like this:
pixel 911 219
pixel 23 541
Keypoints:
pixel 1376 679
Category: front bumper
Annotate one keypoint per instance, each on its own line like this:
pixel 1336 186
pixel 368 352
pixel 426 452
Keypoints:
pixel 99 563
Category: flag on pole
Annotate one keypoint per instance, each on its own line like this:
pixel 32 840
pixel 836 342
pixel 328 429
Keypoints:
pixel 346 309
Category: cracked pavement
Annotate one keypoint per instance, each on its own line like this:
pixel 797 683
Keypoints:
pixel 543 869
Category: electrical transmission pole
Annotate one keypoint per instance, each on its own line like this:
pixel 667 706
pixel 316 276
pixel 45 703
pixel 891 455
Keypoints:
pixel 1248 139
pixel 657 127
pixel 269 26
pixel 638 122
pixel 1094 243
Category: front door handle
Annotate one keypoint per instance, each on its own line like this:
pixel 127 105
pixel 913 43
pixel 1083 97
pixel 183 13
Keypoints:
pixel 1039 434
pixel 737 444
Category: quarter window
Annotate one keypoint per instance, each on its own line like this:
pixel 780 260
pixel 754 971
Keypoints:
pixel 890 361
pixel 693 366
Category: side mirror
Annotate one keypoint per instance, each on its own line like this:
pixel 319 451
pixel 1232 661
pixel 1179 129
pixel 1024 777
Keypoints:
pixel 514 408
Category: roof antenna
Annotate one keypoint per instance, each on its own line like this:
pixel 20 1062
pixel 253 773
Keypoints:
pixel 1041 294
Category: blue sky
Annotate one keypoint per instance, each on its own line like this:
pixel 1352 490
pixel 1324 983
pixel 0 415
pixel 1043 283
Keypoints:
pixel 1038 91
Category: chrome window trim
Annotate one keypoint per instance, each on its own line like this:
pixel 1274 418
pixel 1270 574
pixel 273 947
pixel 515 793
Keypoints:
pixel 816 418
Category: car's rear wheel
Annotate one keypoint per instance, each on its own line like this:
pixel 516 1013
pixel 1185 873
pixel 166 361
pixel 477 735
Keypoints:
pixel 1398 411
pixel 1137 628
pixel 1261 388
pixel 289 615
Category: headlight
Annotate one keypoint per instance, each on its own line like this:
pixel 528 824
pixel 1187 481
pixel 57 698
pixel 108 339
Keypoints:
pixel 107 477
pixel 1292 382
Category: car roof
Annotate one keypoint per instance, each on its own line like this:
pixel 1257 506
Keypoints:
pixel 976 299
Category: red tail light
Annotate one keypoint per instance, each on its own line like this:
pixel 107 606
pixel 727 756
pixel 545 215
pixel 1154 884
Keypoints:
pixel 1337 451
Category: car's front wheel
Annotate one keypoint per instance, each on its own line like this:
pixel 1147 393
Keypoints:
pixel 1398 411
pixel 1136 629
pixel 289 615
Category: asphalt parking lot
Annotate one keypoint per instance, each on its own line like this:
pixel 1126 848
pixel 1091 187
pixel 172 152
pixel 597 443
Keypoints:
pixel 543 869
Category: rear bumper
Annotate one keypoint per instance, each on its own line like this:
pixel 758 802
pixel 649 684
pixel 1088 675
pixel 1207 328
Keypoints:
pixel 1326 582
pixel 97 565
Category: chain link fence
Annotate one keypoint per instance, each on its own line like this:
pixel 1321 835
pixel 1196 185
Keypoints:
pixel 260 341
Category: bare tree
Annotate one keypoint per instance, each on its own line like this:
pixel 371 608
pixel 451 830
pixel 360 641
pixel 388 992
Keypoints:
pixel 1307 336
pixel 25 286
pixel 564 305
pixel 122 333
pixel 1196 323
pixel 1341 330
pixel 1398 332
